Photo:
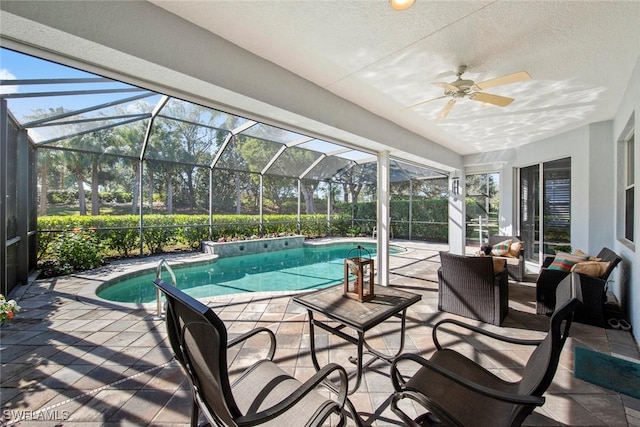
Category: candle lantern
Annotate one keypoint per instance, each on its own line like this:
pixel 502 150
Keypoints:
pixel 358 274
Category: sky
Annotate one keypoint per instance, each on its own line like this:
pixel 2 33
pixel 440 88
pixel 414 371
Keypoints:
pixel 14 65
pixel 18 66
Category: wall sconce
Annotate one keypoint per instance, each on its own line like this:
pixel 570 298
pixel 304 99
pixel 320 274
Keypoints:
pixel 455 186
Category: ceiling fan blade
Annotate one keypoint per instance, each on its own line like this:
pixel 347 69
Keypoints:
pixel 445 111
pixel 500 101
pixel 498 81
pixel 445 86
pixel 423 102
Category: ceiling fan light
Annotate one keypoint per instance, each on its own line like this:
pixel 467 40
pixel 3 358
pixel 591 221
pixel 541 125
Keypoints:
pixel 401 4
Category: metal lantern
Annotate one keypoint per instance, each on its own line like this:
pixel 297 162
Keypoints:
pixel 358 271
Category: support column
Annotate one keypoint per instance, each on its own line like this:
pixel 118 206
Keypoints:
pixel 210 203
pixel 260 202
pixel 329 209
pixel 410 208
pixel 4 151
pixel 24 213
pixel 457 214
pixel 299 206
pixel 383 218
pixel 141 205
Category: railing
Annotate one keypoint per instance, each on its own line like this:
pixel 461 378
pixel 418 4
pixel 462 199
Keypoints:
pixel 483 226
pixel 161 263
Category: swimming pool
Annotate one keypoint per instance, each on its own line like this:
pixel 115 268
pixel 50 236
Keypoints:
pixel 306 268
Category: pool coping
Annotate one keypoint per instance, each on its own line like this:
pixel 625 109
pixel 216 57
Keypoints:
pixel 122 269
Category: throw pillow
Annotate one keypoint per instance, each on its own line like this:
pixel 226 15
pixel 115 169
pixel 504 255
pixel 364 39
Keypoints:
pixel 590 258
pixel 499 249
pixel 564 261
pixel 514 250
pixel 498 265
pixel 591 268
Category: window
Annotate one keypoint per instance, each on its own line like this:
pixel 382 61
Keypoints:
pixel 629 223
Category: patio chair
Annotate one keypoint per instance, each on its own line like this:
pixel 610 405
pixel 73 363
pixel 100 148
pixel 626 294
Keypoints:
pixel 455 390
pixel 468 286
pixel 594 290
pixel 374 232
pixel 262 395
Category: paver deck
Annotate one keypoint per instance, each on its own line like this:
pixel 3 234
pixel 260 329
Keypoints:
pixel 70 359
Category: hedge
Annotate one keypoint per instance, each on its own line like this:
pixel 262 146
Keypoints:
pixel 120 235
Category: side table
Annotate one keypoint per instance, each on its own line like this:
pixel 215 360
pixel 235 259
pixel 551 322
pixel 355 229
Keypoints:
pixel 360 316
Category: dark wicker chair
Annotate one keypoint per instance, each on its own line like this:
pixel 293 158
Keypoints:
pixel 457 391
pixel 264 394
pixel 469 287
pixel 594 290
pixel 515 266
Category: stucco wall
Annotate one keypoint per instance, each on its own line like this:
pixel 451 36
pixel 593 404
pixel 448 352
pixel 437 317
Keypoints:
pixel 574 144
pixel 596 205
pixel 626 284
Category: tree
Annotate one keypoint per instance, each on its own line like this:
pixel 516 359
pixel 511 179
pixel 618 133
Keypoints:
pixel 103 141
pixel 196 138
pixel 232 179
pixel 164 147
pixel 277 185
pixel 51 173
pixel 352 184
pixel 308 188
pixel 47 163
pixel 130 138
pixel 433 188
pixel 78 164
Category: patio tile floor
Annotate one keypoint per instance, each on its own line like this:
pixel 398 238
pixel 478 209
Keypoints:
pixel 68 359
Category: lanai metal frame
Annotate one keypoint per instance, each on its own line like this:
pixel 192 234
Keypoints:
pixel 338 156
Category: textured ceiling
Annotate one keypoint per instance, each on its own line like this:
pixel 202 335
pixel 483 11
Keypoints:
pixel 580 56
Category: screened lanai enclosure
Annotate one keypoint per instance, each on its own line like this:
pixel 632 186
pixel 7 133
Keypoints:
pixel 89 159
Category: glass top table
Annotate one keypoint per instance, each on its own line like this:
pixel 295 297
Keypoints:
pixel 360 316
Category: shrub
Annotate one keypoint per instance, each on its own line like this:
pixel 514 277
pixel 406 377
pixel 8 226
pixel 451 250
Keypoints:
pixel 191 229
pixel 62 196
pixel 121 233
pixel 78 250
pixel 116 196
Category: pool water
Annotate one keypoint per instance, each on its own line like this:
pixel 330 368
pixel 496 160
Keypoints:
pixel 306 268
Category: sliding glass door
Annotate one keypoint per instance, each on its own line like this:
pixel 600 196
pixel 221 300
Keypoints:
pixel 530 211
pixel 546 188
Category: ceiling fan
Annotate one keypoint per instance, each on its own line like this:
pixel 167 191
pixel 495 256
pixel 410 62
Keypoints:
pixel 469 89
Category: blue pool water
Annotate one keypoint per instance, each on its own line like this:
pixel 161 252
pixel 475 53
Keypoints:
pixel 306 268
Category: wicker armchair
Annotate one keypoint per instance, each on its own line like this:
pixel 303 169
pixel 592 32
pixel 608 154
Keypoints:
pixel 456 390
pixel 515 266
pixel 594 290
pixel 469 287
